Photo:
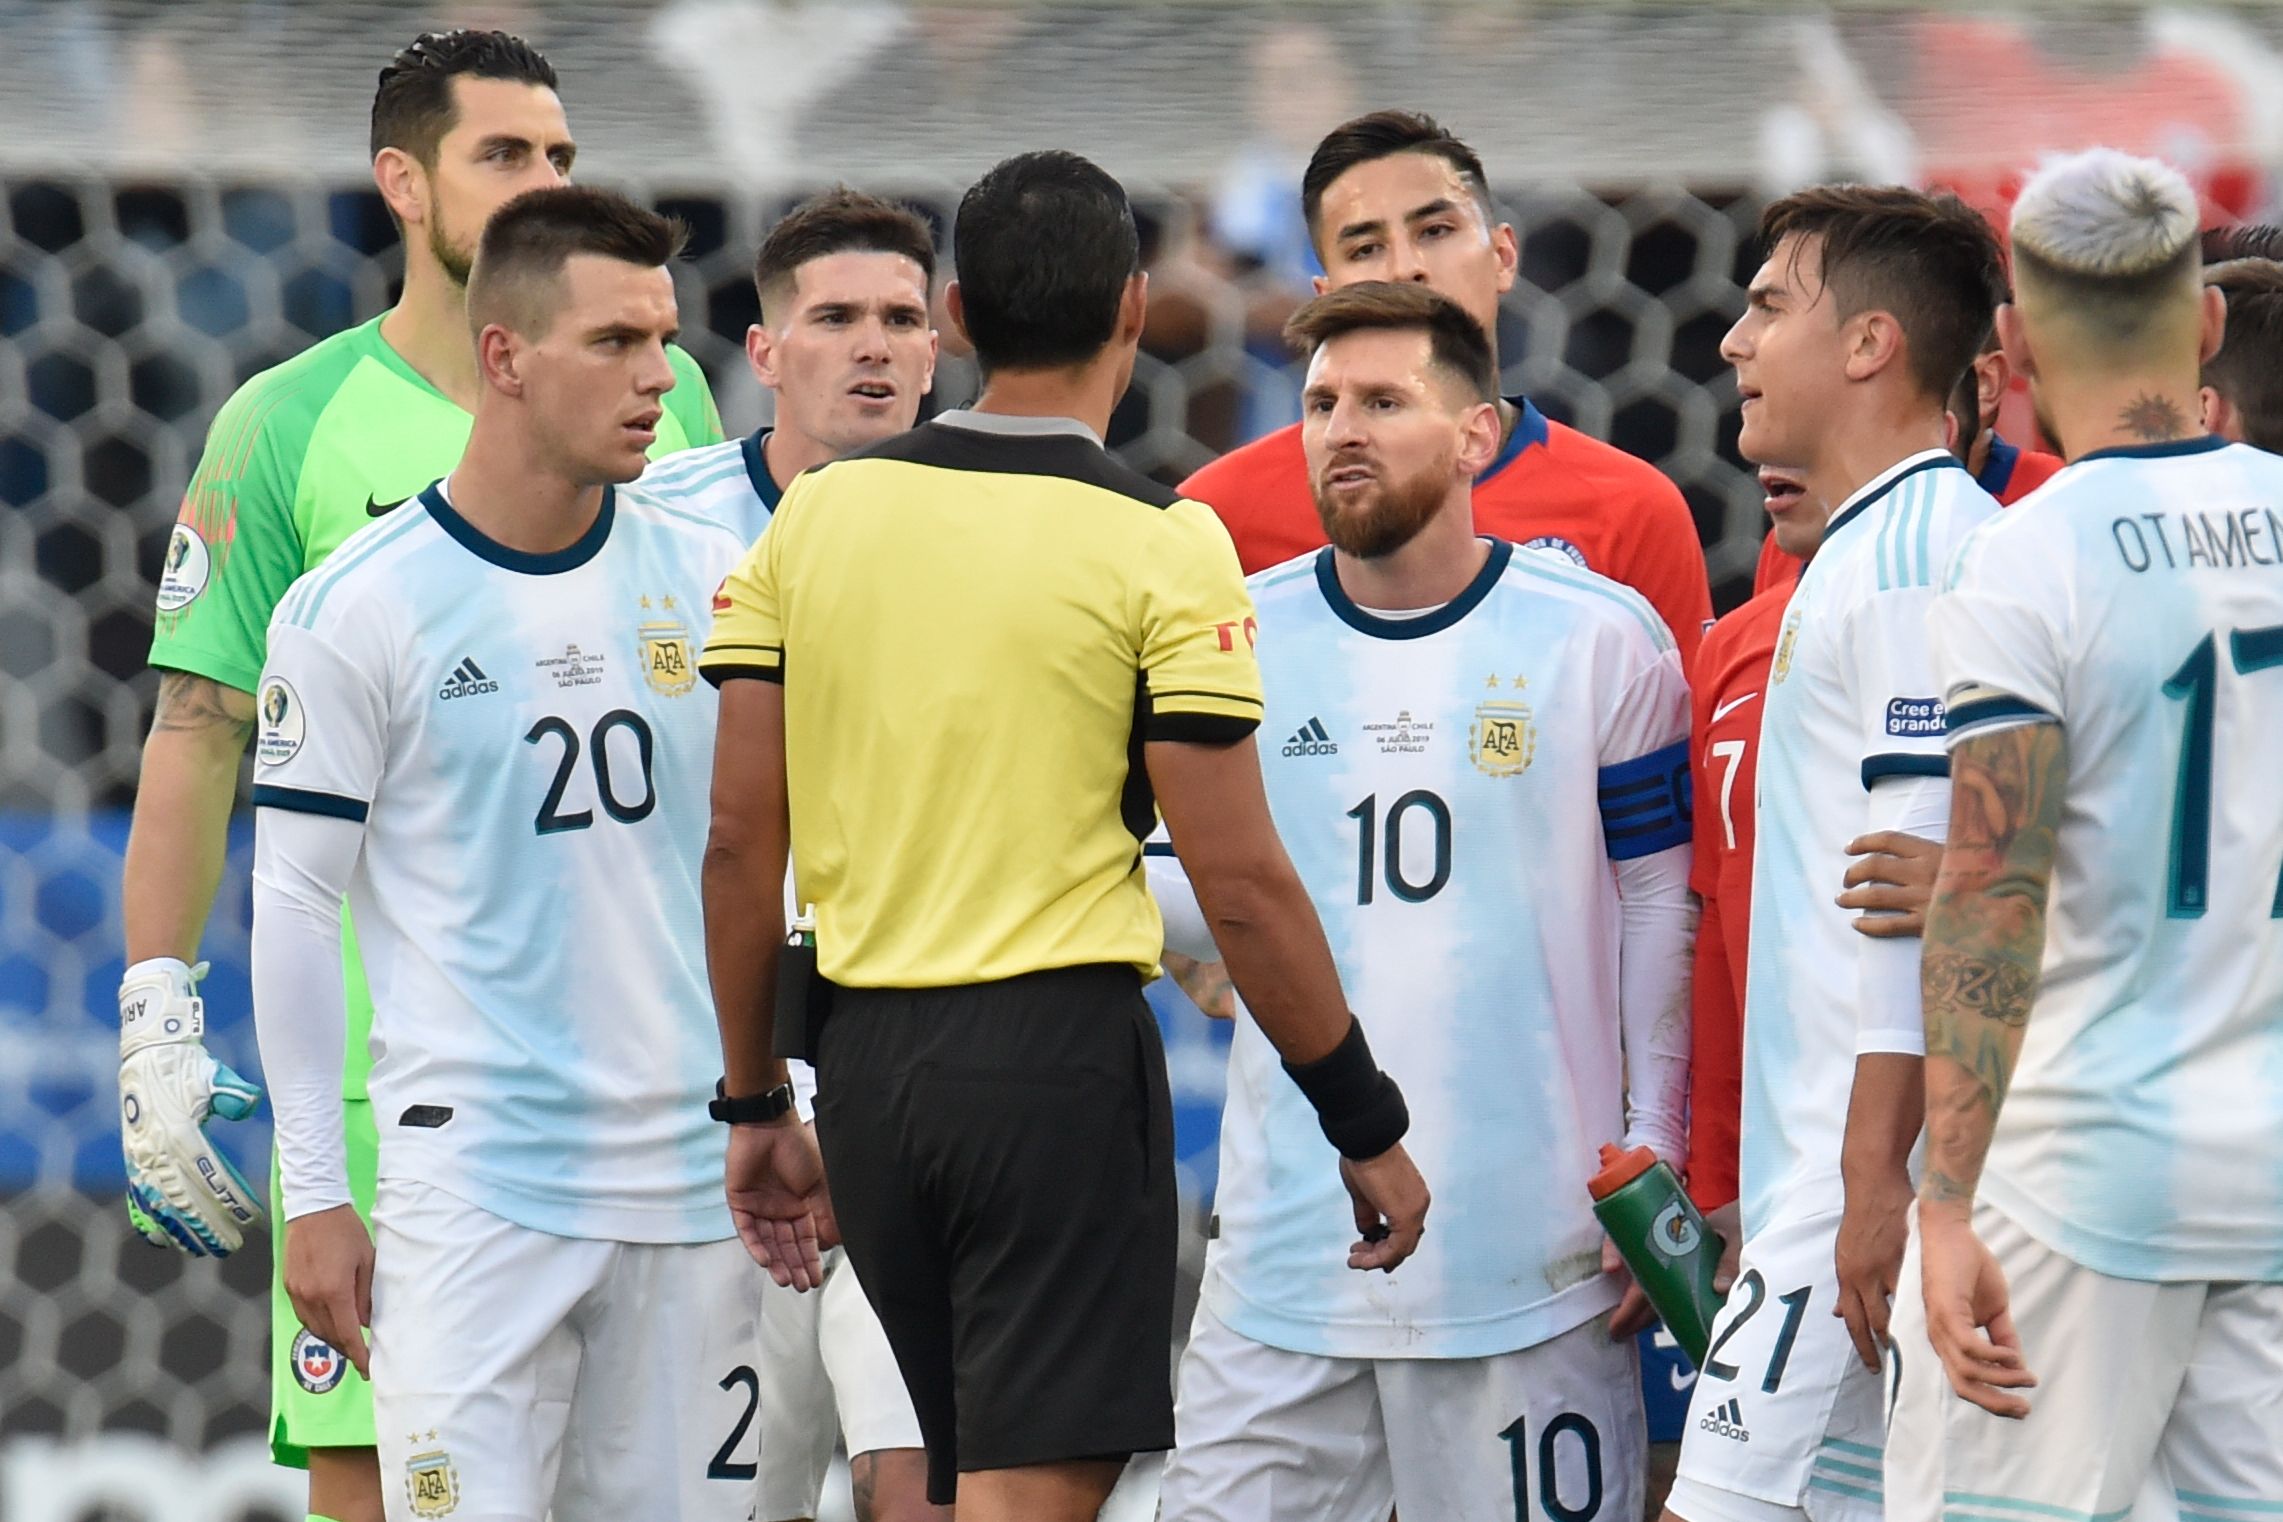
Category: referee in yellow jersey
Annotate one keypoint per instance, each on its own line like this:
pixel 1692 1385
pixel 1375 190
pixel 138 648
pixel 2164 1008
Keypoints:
pixel 960 675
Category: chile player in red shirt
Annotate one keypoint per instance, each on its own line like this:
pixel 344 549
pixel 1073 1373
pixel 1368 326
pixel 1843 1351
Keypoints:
pixel 1392 196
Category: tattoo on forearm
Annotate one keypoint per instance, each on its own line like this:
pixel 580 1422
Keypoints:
pixel 2153 418
pixel 1985 940
pixel 188 702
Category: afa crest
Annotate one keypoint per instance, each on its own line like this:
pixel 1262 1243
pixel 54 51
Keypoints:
pixel 431 1483
pixel 669 656
pixel 1783 662
pixel 1501 740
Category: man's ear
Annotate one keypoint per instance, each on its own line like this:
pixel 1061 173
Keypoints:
pixel 1874 341
pixel 403 185
pixel 955 307
pixel 1508 248
pixel 2013 342
pixel 1991 377
pixel 1133 307
pixel 2215 321
pixel 761 355
pixel 1481 431
pixel 2220 416
pixel 499 358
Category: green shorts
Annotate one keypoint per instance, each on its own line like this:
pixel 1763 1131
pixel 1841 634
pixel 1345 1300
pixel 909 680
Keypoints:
pixel 316 1399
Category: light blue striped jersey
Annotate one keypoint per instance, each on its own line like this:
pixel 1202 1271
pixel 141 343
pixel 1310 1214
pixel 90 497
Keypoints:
pixel 1452 788
pixel 728 482
pixel 527 744
pixel 2137 600
pixel 1852 700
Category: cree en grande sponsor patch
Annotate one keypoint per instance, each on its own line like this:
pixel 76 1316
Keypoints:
pixel 1915 718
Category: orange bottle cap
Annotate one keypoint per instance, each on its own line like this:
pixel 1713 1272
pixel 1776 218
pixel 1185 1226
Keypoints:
pixel 1619 1167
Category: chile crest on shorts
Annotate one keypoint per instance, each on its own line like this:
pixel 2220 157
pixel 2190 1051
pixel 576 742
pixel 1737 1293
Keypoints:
pixel 317 1365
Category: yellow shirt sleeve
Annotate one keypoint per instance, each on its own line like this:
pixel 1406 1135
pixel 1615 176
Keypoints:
pixel 1197 631
pixel 748 634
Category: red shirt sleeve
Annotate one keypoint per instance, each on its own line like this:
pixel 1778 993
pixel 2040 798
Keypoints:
pixel 1716 1068
pixel 1661 558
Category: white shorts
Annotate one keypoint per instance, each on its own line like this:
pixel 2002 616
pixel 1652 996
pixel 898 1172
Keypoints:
pixel 2147 1394
pixel 1554 1433
pixel 826 1373
pixel 517 1373
pixel 1784 1419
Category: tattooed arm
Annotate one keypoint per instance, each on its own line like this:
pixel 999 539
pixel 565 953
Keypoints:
pixel 1985 936
pixel 182 813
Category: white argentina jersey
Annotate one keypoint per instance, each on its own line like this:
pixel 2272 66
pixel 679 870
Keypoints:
pixel 1852 702
pixel 727 482
pixel 2137 601
pixel 526 741
pixel 1452 788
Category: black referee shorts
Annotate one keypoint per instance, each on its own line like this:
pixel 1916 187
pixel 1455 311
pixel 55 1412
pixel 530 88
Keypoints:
pixel 1001 1158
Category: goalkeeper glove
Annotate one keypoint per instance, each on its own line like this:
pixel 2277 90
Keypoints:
pixel 180 1189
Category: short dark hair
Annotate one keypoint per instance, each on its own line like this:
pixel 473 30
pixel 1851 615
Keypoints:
pixel 2246 240
pixel 1045 244
pixel 1379 135
pixel 1455 341
pixel 519 263
pixel 1930 260
pixel 2248 370
pixel 413 108
pixel 838 221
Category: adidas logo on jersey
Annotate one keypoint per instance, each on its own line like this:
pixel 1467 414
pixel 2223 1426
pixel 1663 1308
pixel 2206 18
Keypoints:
pixel 1726 1420
pixel 466 681
pixel 1312 740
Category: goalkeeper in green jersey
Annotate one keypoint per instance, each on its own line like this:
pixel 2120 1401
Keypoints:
pixel 300 458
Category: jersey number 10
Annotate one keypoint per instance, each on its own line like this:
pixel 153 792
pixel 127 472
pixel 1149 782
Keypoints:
pixel 2196 684
pixel 1369 865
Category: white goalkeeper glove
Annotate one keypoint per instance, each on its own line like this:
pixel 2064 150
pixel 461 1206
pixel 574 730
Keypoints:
pixel 180 1189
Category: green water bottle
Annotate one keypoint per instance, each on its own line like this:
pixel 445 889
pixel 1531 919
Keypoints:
pixel 1658 1232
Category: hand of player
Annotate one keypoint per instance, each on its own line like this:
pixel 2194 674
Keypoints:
pixel 1634 1313
pixel 1727 1221
pixel 778 1200
pixel 329 1279
pixel 1890 883
pixel 1206 983
pixel 1874 1227
pixel 1967 1316
pixel 180 1188
pixel 1391 1208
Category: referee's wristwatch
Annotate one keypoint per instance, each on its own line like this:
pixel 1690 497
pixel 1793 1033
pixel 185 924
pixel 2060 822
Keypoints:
pixel 749 1109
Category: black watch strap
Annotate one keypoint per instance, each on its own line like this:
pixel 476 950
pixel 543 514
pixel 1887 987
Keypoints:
pixel 749 1109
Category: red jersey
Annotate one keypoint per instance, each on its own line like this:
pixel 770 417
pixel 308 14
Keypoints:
pixel 2009 473
pixel 1550 487
pixel 1727 687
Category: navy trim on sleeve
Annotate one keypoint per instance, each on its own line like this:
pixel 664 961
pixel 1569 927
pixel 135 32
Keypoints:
pixel 1158 848
pixel 1903 764
pixel 301 800
pixel 1964 716
pixel 1646 803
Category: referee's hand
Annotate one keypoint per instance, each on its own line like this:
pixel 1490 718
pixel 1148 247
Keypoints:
pixel 1391 1208
pixel 777 1199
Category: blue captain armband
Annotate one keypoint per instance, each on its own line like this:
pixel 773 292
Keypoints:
pixel 1645 803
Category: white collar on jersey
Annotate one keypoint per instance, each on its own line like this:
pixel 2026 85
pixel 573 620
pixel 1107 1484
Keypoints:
pixel 1012 426
pixel 1885 481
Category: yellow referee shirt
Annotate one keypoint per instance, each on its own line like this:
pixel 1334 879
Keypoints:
pixel 977 624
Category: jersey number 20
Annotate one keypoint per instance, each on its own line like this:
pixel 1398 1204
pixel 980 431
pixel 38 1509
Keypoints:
pixel 551 819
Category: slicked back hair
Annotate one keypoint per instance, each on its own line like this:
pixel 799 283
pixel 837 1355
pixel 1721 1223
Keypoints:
pixel 2248 370
pixel 518 277
pixel 1456 343
pixel 413 108
pixel 1379 135
pixel 837 221
pixel 1930 261
pixel 2111 239
pixel 1045 243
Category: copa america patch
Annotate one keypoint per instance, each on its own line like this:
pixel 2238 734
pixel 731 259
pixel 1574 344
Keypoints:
pixel 185 571
pixel 1559 545
pixel 317 1366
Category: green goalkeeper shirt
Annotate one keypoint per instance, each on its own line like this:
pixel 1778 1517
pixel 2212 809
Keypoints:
pixel 298 459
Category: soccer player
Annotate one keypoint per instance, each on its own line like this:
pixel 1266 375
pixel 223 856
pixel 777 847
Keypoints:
pixel 958 674
pixel 1393 196
pixel 2242 393
pixel 481 722
pixel 1870 305
pixel 299 459
pixel 845 346
pixel 1484 791
pixel 2098 1258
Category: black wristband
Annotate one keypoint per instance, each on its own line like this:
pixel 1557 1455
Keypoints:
pixel 1360 1108
pixel 749 1109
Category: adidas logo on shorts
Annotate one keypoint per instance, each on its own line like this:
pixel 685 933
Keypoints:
pixel 466 681
pixel 1312 740
pixel 1726 1420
